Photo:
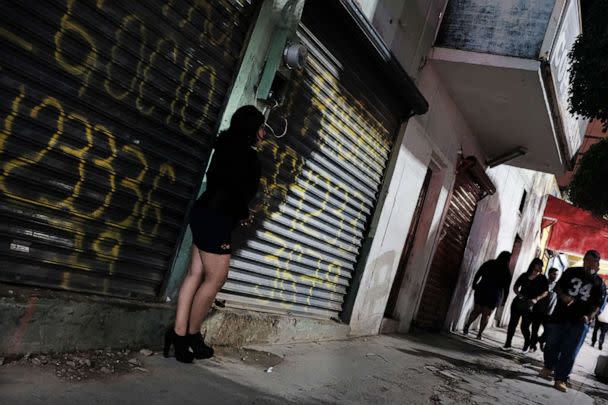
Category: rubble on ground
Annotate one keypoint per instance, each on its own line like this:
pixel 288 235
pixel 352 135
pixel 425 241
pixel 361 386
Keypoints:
pixel 86 365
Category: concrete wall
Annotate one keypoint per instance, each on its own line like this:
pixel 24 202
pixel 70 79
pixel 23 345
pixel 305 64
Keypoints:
pixel 408 27
pixel 496 225
pixel 412 158
pixel 506 27
pixel 449 135
pixel 41 321
pixel 434 140
pixel 529 228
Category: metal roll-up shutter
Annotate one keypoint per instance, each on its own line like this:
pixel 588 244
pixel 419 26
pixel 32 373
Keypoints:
pixel 108 112
pixel 445 267
pixel 319 187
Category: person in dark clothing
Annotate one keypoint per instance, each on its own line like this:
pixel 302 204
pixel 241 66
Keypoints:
pixel 580 294
pixel 233 179
pixel 530 287
pixel 491 285
pixel 542 310
pixel 601 325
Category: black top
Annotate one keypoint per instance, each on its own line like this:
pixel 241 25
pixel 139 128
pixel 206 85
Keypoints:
pixel 530 289
pixel 233 179
pixel 493 277
pixel 587 290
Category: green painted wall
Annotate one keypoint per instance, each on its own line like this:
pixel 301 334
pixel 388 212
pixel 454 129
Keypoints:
pixel 275 23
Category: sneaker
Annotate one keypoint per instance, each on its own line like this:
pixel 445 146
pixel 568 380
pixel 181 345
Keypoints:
pixel 592 344
pixel 506 348
pixel 465 331
pixel 600 346
pixel 532 349
pixel 561 386
pixel 545 373
pixel 526 349
pixel 568 383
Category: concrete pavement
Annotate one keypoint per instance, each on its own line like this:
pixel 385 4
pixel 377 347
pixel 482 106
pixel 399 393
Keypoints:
pixel 416 369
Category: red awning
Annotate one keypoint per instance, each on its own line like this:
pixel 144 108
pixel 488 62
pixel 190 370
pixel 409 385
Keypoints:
pixel 574 230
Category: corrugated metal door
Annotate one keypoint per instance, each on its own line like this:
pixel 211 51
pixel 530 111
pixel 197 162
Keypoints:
pixel 108 112
pixel 444 270
pixel 320 184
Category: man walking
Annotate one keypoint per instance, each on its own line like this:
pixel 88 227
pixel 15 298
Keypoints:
pixel 580 294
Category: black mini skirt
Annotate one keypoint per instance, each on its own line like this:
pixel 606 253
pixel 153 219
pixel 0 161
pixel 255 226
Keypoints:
pixel 211 232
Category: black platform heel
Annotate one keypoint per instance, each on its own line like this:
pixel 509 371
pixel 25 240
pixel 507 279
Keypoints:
pixel 180 344
pixel 199 348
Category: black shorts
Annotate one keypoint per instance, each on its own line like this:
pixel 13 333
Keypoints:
pixel 211 232
pixel 488 299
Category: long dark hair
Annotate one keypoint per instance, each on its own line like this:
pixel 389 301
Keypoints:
pixel 535 262
pixel 244 125
pixel 504 258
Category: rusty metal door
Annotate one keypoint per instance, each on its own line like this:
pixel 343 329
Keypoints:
pixel 108 111
pixel 445 267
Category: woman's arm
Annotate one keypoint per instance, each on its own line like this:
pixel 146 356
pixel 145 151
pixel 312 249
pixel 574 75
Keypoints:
pixel 540 297
pixel 518 283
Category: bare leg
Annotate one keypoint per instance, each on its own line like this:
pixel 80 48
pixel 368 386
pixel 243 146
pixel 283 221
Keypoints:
pixel 485 317
pixel 186 292
pixel 216 270
pixel 472 318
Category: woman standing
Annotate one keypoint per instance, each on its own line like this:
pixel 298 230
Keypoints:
pixel 491 285
pixel 233 178
pixel 530 287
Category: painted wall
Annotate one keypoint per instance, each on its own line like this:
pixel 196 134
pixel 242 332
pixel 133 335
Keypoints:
pixel 408 27
pixel 497 223
pixel 411 160
pixel 506 27
pixel 435 140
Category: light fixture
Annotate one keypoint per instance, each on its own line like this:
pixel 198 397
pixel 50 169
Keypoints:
pixel 294 56
pixel 505 157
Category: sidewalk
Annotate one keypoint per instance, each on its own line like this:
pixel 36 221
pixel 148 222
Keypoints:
pixel 416 369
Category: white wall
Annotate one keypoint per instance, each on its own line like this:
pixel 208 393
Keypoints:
pixel 412 159
pixel 496 224
pixel 435 140
pixel 438 137
pixel 408 27
pixel 448 133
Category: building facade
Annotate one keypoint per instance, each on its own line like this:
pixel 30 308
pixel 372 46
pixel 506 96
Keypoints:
pixel 377 198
